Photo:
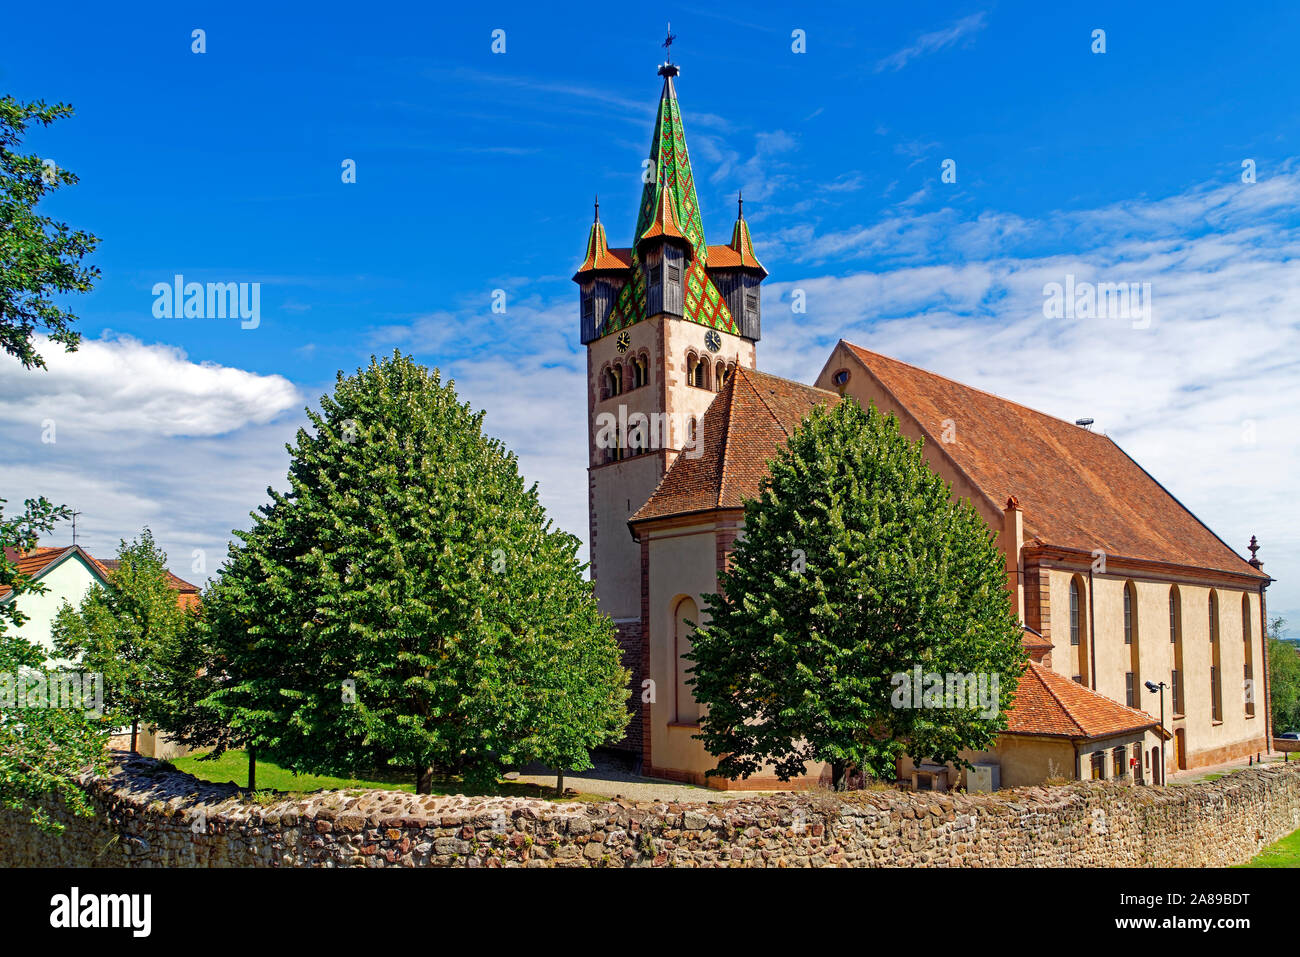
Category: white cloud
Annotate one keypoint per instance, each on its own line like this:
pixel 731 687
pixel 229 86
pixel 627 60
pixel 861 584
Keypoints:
pixel 143 436
pixel 119 386
pixel 933 42
pixel 1202 399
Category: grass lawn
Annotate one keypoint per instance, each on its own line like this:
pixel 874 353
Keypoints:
pixel 232 767
pixel 1285 853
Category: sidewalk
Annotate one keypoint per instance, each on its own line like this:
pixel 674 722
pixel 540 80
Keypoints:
pixel 613 777
pixel 1214 771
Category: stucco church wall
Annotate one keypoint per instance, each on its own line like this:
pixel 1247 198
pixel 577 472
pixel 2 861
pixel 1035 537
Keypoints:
pixel 1207 741
pixel 683 564
pixel 146 816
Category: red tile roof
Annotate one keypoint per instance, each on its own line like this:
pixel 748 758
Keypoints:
pixel 1078 489
pixel 599 256
pixel 1052 705
pixel 187 595
pixel 743 428
pixel 31 564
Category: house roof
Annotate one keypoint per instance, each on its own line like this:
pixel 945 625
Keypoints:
pixel 1078 489
pixel 187 594
pixel 1052 705
pixel 35 563
pixel 741 430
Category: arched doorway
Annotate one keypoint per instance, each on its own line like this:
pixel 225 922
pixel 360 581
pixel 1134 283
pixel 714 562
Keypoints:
pixel 1157 771
pixel 1180 749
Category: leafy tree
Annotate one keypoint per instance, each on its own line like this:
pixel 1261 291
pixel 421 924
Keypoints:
pixel 407 601
pixel 856 565
pixel 125 632
pixel 1283 678
pixel 39 257
pixel 217 653
pixel 43 750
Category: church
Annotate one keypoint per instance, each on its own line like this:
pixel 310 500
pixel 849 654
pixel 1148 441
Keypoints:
pixel 1118 587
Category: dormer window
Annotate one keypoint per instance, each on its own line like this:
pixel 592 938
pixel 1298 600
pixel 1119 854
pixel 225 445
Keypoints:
pixel 588 307
pixel 751 304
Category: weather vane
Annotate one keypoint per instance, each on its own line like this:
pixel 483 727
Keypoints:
pixel 668 42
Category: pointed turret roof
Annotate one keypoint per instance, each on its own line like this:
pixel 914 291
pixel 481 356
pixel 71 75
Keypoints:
pixel 740 251
pixel 741 241
pixel 599 255
pixel 669 208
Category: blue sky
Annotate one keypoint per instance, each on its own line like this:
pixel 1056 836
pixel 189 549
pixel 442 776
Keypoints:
pixel 476 171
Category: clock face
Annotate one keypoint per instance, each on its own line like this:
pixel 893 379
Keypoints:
pixel 623 342
pixel 713 340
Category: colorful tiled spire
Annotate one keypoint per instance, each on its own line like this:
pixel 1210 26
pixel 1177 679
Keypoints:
pixel 670 208
pixel 741 241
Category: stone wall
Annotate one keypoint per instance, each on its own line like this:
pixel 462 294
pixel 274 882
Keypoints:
pixel 149 816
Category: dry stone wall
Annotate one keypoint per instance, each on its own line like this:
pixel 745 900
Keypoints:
pixel 150 816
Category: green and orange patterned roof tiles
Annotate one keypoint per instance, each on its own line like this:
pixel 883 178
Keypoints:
pixel 669 209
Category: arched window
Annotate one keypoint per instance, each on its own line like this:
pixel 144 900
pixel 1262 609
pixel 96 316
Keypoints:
pixel 614 381
pixel 1078 633
pixel 1074 612
pixel 1133 681
pixel 640 372
pixel 1176 639
pixel 697 371
pixel 721 374
pixel 687 711
pixel 1128 613
pixel 1248 683
pixel 1216 666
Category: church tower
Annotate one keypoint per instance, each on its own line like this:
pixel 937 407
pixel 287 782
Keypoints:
pixel 665 321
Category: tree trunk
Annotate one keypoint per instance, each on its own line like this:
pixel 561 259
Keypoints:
pixel 135 732
pixel 559 782
pixel 424 780
pixel 252 768
pixel 840 775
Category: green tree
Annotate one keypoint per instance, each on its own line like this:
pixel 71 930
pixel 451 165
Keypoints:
pixel 39 257
pixel 856 566
pixel 216 654
pixel 125 631
pixel 407 602
pixel 1283 678
pixel 43 750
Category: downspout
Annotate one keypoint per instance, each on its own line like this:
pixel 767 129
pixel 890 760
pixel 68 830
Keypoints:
pixel 1092 636
pixel 1268 699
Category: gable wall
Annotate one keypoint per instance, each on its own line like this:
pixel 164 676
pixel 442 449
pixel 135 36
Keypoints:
pixel 68 582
